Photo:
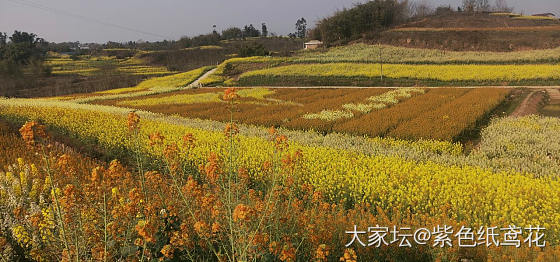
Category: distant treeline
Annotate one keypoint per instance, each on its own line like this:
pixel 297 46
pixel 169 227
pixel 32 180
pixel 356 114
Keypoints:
pixel 213 38
pixel 367 20
pixel 22 50
pixel 354 23
pixel 21 61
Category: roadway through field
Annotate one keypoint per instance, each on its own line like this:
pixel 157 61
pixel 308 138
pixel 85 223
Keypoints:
pixel 204 76
pixel 554 95
pixel 530 105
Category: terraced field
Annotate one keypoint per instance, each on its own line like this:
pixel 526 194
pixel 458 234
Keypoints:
pixel 407 75
pixel 204 174
pixel 373 112
pixel 154 85
pixel 424 177
pixel 379 65
pixel 90 65
pixel 363 53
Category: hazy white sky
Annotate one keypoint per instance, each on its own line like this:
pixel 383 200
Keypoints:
pixel 124 20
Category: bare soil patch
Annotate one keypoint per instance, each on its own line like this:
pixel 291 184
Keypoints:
pixel 530 105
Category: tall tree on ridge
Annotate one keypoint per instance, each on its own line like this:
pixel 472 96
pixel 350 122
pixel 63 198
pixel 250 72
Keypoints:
pixel 264 30
pixel 301 28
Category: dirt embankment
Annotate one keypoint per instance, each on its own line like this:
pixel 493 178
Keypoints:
pixel 480 20
pixel 480 32
pixel 530 105
pixel 554 96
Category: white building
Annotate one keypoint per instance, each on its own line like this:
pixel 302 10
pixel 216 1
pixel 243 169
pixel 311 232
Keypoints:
pixel 313 44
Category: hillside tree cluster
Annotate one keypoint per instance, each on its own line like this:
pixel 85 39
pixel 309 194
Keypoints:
pixel 22 51
pixel 354 23
pixel 367 20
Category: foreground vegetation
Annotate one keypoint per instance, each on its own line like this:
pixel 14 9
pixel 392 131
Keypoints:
pixel 222 210
pixel 175 177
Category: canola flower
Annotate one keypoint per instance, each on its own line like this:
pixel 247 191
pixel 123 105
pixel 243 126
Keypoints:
pixel 145 70
pixel 165 82
pixel 373 103
pixel 426 72
pixel 364 53
pixel 82 72
pixel 533 17
pixel 85 65
pixel 421 149
pixel 453 117
pixel 509 139
pixel 329 115
pixel 88 65
pixel 441 152
pixel 504 14
pixel 363 108
pixel 478 196
pixel 108 202
pixel 304 215
pixel 220 75
pixel 256 93
pixel 152 86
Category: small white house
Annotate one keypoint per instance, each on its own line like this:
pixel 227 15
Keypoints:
pixel 83 46
pixel 313 44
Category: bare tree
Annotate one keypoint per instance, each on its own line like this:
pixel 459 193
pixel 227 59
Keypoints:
pixel 469 5
pixel 502 6
pixel 476 5
pixel 482 5
pixel 422 8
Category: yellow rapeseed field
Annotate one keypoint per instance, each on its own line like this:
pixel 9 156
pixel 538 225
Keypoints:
pixel 164 82
pixel 426 72
pixel 88 65
pixel 475 195
pixel 364 53
pixel 257 93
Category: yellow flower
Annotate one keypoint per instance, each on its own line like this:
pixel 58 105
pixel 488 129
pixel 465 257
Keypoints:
pixel 114 192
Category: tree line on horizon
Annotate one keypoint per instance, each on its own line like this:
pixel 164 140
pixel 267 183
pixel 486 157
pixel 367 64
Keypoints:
pixel 370 18
pixel 212 38
pixel 346 25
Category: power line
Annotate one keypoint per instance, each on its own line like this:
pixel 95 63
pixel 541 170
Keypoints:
pixel 30 3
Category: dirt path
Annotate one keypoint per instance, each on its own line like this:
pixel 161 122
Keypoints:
pixel 530 105
pixel 554 95
pixel 196 82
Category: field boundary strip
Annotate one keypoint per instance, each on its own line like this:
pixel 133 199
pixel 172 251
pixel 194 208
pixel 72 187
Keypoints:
pixel 386 87
pixel 196 82
pixel 469 29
